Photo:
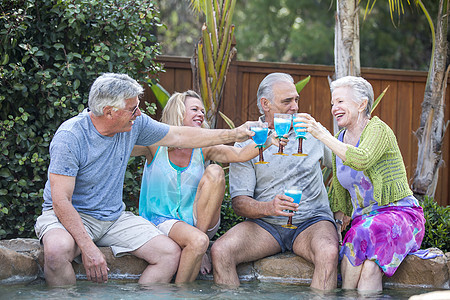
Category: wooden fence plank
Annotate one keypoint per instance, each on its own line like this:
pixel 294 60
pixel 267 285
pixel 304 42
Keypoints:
pixel 404 123
pixel 400 109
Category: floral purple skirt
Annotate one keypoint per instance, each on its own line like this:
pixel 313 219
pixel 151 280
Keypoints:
pixel 384 236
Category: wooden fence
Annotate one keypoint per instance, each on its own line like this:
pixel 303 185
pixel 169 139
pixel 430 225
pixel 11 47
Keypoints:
pixel 400 107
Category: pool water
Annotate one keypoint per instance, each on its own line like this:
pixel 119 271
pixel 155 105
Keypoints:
pixel 196 290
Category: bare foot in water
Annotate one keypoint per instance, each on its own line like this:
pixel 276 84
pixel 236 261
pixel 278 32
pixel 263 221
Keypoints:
pixel 205 267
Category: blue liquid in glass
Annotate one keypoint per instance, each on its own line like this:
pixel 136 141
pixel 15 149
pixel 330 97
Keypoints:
pixel 282 126
pixel 294 194
pixel 260 136
pixel 299 133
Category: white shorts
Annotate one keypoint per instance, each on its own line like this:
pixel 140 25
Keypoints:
pixel 126 234
pixel 166 226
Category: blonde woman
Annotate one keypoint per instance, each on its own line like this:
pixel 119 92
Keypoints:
pixel 179 193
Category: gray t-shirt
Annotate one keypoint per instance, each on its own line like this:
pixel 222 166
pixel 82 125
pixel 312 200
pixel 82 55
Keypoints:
pixel 98 162
pixel 264 182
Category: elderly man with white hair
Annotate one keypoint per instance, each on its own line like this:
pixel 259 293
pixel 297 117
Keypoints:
pixel 83 207
pixel 257 193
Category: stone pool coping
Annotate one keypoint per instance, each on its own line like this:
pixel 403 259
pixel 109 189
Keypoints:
pixel 21 260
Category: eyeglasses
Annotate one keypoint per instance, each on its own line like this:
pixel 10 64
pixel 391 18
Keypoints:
pixel 133 112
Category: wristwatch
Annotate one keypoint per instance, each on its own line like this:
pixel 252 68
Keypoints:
pixel 339 221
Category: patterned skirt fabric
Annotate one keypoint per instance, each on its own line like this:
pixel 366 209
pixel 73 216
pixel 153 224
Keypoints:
pixel 384 236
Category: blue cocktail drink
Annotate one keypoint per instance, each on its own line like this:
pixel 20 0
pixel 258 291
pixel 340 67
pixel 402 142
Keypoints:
pixel 260 129
pixel 282 124
pixel 260 136
pixel 301 135
pixel 298 130
pixel 296 194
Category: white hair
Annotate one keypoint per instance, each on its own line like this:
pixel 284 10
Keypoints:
pixel 362 90
pixel 111 89
pixel 265 89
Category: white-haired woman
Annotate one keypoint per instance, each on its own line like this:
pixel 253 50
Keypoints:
pixel 179 194
pixel 370 186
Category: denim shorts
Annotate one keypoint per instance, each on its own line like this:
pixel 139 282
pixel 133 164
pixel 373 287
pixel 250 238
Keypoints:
pixel 285 236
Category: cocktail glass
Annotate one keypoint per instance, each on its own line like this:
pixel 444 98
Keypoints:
pixel 260 129
pixel 301 135
pixel 295 193
pixel 282 124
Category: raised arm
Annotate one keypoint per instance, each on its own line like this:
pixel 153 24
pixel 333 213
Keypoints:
pixel 140 150
pixel 191 137
pixel 94 262
pixel 322 134
pixel 147 151
pixel 230 154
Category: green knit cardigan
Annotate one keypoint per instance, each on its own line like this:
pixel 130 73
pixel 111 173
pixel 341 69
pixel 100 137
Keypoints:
pixel 379 157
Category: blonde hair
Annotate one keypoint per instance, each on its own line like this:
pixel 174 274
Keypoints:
pixel 175 109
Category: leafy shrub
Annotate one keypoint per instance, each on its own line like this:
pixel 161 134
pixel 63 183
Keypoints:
pixel 50 53
pixel 227 214
pixel 437 227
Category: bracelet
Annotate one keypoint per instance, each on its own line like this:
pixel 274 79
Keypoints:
pixel 339 221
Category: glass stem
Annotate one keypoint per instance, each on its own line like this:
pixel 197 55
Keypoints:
pixel 261 158
pixel 300 145
pixel 289 221
pixel 280 148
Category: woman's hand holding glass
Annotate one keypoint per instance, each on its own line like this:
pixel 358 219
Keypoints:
pixel 300 134
pixel 304 122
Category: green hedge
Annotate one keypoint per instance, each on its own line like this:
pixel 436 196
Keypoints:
pixel 228 217
pixel 437 226
pixel 50 53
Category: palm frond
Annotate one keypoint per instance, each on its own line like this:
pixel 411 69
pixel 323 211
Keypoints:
pixel 198 6
pixel 227 120
pixel 377 101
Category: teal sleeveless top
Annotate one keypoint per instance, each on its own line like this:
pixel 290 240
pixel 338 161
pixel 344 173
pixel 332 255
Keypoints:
pixel 167 190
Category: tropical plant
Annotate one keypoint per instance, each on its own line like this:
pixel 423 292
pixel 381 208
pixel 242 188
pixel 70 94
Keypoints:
pixel 430 134
pixel 51 52
pixel 213 53
pixel 437 226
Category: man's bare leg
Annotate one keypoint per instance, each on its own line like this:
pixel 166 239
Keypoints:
pixel 319 244
pixel 59 251
pixel 162 255
pixel 244 242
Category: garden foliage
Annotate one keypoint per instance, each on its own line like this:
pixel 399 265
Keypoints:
pixel 228 217
pixel 437 226
pixel 50 53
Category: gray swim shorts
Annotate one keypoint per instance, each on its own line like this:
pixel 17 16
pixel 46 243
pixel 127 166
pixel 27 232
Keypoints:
pixel 285 236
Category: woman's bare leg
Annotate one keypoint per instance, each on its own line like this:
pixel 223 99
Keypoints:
pixel 371 277
pixel 207 205
pixel 208 200
pixel 194 244
pixel 350 274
